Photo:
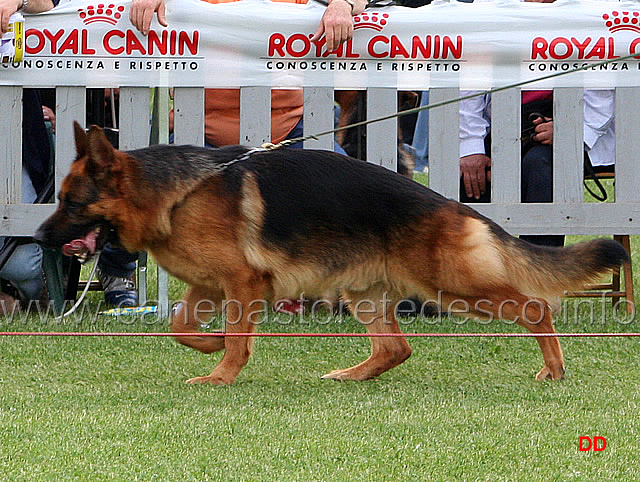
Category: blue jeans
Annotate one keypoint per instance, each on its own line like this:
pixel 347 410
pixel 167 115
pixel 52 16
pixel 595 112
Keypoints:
pixel 298 131
pixel 117 262
pixel 24 268
pixel 421 135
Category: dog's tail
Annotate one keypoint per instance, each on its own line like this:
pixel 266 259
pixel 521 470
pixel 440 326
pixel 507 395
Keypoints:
pixel 546 272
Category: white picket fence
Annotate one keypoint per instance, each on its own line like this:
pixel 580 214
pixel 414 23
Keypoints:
pixel 568 214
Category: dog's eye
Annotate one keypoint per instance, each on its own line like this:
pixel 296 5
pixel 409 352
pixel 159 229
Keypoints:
pixel 72 205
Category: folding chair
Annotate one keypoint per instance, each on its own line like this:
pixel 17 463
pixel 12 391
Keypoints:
pixel 613 288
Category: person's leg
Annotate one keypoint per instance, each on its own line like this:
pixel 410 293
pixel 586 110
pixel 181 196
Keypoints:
pixel 537 187
pixel 421 135
pixel 23 269
pixel 298 131
pixel 115 272
pixel 117 262
pixel 338 149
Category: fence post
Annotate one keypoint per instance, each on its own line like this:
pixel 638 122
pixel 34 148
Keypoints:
pixel 11 145
pixel 318 116
pixel 505 146
pixel 255 116
pixel 444 145
pixel 627 145
pixel 71 105
pixel 382 137
pixel 568 145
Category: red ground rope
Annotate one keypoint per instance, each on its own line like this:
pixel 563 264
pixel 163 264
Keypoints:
pixel 329 335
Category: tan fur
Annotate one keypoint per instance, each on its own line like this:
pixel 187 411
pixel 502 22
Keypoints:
pixel 475 264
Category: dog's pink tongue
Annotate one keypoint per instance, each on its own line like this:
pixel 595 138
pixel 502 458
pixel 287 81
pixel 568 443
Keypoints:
pixel 79 246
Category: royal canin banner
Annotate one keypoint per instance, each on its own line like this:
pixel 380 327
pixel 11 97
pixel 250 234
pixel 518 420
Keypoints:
pixel 262 43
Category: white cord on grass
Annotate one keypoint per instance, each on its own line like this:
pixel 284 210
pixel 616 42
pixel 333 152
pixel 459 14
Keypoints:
pixel 84 292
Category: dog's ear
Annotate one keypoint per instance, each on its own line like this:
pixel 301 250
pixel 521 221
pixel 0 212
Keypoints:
pixel 82 143
pixel 100 152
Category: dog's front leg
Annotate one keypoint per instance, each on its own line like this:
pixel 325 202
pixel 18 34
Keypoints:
pixel 192 313
pixel 242 309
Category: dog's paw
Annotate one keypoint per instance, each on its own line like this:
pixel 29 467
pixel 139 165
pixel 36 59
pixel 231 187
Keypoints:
pixel 212 380
pixel 343 375
pixel 548 373
pixel 334 375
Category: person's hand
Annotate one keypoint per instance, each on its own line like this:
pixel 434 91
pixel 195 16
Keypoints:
pixel 475 174
pixel 141 14
pixel 336 24
pixel 50 116
pixel 544 130
pixel 9 7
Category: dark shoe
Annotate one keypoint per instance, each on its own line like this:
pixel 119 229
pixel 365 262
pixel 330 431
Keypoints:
pixel 8 305
pixel 118 292
pixel 413 307
pixel 40 305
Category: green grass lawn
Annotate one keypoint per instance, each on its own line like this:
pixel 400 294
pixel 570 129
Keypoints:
pixel 458 409
pixel 117 408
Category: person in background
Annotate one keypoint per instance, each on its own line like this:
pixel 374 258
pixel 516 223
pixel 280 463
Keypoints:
pixel 537 155
pixel 23 269
pixel 9 7
pixel 421 132
pixel 222 106
pixel 116 267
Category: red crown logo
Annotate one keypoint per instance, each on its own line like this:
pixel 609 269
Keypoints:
pixel 101 13
pixel 622 21
pixel 373 21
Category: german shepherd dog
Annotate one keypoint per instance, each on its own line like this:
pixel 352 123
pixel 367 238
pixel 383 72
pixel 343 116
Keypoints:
pixel 246 225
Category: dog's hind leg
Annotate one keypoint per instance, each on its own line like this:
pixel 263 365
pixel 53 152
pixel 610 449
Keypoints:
pixel 537 319
pixel 532 313
pixel 195 310
pixel 243 307
pixel 377 312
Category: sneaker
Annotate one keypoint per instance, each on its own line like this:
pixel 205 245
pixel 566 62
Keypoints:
pixel 119 292
pixel 289 307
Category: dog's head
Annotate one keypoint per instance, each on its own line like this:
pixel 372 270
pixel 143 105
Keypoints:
pixel 82 223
